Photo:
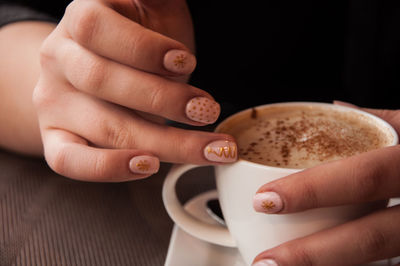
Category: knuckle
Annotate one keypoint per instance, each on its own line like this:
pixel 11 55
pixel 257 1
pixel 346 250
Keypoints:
pixel 41 97
pixel 301 255
pixel 38 98
pixel 85 16
pixel 46 54
pixel 372 242
pixel 118 135
pixel 100 167
pixel 85 71
pixel 91 75
pixel 138 41
pixel 157 98
pixel 120 139
pixel 368 179
pixel 309 194
pixel 57 159
pixel 304 258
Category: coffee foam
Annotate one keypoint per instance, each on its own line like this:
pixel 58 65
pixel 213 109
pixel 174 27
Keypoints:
pixel 303 136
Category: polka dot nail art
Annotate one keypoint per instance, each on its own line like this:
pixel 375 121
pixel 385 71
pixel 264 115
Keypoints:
pixel 203 110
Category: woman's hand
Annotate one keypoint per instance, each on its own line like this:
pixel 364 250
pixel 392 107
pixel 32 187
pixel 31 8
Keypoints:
pixel 110 70
pixel 367 177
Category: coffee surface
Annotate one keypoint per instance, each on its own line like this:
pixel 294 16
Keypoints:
pixel 302 137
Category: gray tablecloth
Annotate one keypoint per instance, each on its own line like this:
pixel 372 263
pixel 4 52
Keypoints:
pixel 47 219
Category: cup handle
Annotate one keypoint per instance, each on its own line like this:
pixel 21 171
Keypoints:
pixel 213 233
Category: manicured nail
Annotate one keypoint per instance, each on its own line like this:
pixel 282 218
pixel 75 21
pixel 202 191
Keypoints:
pixel 144 164
pixel 221 151
pixel 268 202
pixel 344 104
pixel 203 109
pixel 179 62
pixel 267 262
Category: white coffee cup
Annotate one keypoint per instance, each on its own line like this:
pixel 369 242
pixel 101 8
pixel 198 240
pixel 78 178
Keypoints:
pixel 252 232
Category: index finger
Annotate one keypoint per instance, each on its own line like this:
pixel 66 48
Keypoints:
pixel 104 31
pixel 366 177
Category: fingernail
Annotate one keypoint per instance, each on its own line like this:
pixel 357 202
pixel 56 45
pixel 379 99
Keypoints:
pixel 267 262
pixel 344 103
pixel 144 164
pixel 179 61
pixel 203 109
pixel 221 151
pixel 267 202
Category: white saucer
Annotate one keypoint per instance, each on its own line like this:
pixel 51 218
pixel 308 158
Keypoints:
pixel 185 249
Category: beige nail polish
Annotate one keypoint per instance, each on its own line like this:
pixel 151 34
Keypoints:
pixel 267 202
pixel 203 110
pixel 179 62
pixel 221 151
pixel 267 262
pixel 144 164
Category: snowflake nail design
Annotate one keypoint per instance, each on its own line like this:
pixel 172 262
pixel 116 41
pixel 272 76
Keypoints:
pixel 268 202
pixel 144 164
pixel 179 62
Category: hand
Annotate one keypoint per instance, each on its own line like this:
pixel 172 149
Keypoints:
pixel 110 70
pixel 367 177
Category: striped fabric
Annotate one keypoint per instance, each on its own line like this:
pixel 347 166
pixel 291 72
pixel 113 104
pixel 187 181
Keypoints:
pixel 46 219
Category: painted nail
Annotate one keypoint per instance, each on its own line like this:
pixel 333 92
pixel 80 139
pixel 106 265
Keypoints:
pixel 267 262
pixel 344 104
pixel 179 62
pixel 144 164
pixel 268 202
pixel 203 109
pixel 221 151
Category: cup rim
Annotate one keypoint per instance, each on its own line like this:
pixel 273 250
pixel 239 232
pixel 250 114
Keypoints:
pixel 385 124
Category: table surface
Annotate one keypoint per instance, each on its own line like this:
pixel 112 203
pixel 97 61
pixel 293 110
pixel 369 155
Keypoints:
pixel 47 219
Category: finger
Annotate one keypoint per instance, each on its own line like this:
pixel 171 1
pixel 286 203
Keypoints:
pixel 107 33
pixel 70 155
pixel 115 127
pixel 371 238
pixel 391 116
pixel 366 177
pixel 135 89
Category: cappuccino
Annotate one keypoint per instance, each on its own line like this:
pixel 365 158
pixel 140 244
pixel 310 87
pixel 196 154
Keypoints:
pixel 290 136
pixel 303 136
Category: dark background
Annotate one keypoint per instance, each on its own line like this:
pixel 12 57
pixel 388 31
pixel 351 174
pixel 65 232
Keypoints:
pixel 299 51
pixel 252 53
